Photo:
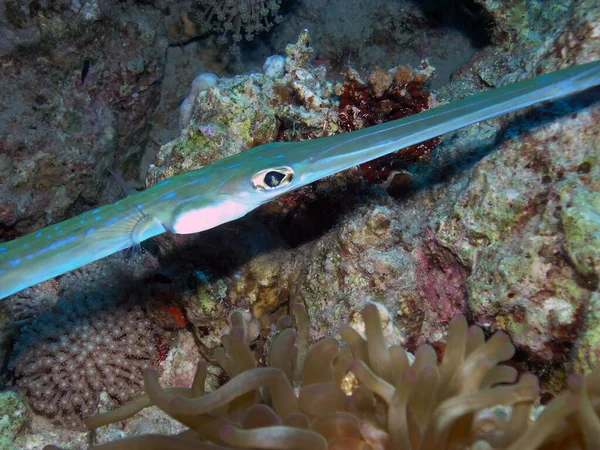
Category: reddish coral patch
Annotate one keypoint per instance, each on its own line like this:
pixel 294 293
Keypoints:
pixel 363 105
pixel 168 313
pixel 441 280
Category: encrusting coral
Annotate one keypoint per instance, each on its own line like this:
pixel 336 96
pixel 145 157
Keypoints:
pixel 366 395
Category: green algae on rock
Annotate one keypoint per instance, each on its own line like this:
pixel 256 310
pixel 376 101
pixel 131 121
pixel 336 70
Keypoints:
pixel 13 417
pixel 248 110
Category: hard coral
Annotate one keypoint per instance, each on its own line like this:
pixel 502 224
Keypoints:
pixel 308 398
pixel 247 17
pixel 68 356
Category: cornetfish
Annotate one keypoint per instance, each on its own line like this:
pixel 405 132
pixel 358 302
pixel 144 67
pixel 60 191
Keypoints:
pixel 228 189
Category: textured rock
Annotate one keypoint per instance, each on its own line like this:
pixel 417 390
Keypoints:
pixel 531 251
pixel 385 34
pixel 13 417
pixel 78 104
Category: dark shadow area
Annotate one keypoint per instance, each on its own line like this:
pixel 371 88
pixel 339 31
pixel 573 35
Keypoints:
pixel 545 370
pixel 253 53
pixel 466 16
pixel 402 33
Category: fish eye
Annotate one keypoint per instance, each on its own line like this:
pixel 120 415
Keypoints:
pixel 273 178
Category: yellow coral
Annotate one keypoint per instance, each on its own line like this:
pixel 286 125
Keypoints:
pixel 297 402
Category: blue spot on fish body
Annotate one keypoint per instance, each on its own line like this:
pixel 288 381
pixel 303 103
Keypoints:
pixel 2 271
pixel 280 156
pixel 140 206
pixel 259 157
pixel 90 231
pixel 99 218
pixel 26 245
pixel 49 236
pixel 30 256
pixel 233 166
pixel 169 195
pixel 199 180
pixel 96 211
pixel 14 262
pixel 82 221
pixel 164 183
pixel 111 221
pixel 38 235
pixel 2 249
pixel 56 245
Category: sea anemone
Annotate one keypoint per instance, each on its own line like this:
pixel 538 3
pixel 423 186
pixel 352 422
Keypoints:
pixel 366 395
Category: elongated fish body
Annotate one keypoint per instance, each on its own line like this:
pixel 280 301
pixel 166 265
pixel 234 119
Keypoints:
pixel 230 188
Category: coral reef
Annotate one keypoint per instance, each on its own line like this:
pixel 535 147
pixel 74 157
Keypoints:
pixel 68 356
pixel 386 34
pixel 461 245
pixel 289 101
pixel 240 18
pixel 530 238
pixel 105 279
pixel 490 242
pixel 365 394
pixel 245 111
pixel 495 224
pixel 388 95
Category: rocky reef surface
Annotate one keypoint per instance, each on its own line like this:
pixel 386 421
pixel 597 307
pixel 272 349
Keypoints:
pixel 80 83
pixel 498 221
